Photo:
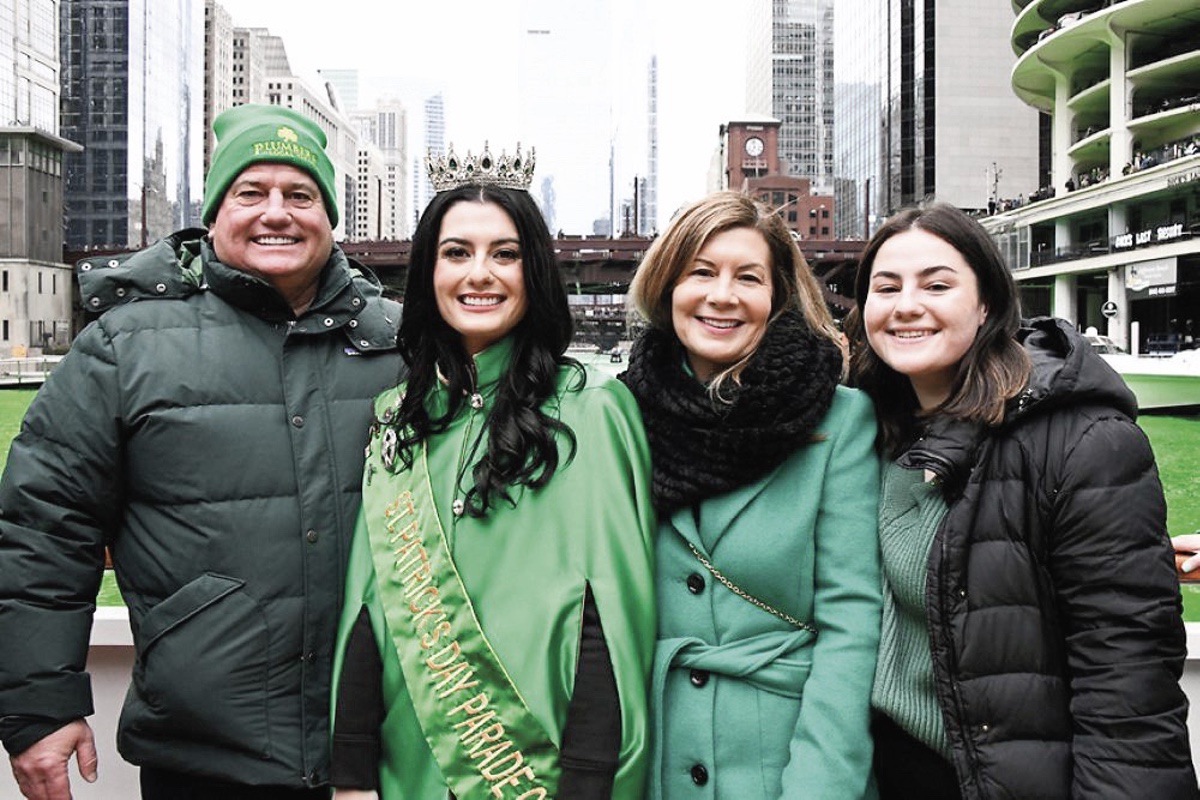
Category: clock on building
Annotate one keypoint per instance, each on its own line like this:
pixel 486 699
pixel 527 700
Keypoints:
pixel 754 147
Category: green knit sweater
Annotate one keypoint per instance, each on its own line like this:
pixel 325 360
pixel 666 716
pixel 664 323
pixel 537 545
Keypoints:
pixel 910 510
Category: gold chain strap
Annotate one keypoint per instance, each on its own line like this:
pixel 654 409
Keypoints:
pixel 754 601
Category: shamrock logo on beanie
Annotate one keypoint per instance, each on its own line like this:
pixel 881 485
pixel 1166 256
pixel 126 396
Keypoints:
pixel 252 134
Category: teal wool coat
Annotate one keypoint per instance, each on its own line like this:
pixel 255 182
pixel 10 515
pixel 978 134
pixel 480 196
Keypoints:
pixel 747 705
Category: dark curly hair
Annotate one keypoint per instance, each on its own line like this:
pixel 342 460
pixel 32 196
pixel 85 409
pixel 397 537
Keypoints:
pixel 520 437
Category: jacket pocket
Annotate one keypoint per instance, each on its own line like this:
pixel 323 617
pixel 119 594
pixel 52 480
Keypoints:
pixel 202 666
pixel 777 718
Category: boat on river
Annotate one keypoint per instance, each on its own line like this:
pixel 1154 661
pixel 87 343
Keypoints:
pixel 1160 383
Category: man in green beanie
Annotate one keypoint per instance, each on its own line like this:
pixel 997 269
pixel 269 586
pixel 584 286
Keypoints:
pixel 211 436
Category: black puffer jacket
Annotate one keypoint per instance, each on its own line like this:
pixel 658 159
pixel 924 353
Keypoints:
pixel 1054 612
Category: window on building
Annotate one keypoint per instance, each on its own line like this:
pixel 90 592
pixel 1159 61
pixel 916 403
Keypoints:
pixel 39 283
pixel 5 326
pixel 5 281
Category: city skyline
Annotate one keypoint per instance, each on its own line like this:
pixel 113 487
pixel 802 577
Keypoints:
pixel 473 56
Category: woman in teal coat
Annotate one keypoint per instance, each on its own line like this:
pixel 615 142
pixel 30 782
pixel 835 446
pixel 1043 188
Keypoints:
pixel 766 486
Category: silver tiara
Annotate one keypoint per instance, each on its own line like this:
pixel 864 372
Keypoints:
pixel 449 171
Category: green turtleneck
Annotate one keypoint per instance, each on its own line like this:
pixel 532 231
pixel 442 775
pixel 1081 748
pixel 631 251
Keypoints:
pixel 910 510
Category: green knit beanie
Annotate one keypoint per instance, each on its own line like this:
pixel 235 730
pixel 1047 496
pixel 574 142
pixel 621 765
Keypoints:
pixel 251 134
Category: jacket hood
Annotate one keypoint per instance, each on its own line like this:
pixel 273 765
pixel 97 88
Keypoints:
pixel 167 268
pixel 1066 371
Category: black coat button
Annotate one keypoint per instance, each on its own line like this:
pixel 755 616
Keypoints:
pixel 695 583
pixel 699 775
pixel 312 537
pixel 698 678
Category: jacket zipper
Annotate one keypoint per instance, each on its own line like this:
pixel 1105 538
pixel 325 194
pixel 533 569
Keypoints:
pixel 941 469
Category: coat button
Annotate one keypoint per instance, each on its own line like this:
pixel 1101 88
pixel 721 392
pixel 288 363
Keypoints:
pixel 312 537
pixel 699 775
pixel 298 421
pixel 698 678
pixel 695 583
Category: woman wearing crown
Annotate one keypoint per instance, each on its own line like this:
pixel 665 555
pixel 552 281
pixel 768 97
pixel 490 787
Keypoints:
pixel 500 591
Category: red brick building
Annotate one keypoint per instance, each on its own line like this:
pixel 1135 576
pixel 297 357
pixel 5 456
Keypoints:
pixel 752 165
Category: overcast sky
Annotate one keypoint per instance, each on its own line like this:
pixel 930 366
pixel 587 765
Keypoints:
pixel 469 51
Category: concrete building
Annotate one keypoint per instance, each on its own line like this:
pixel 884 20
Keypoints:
pixel 133 95
pixel 35 287
pixel 789 77
pixel 386 126
pixel 250 65
pixel 1113 241
pixel 219 71
pixel 923 110
pixel 372 197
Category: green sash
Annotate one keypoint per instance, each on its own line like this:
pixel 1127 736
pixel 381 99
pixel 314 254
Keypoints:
pixel 485 739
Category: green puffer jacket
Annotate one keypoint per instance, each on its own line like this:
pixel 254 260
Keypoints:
pixel 215 442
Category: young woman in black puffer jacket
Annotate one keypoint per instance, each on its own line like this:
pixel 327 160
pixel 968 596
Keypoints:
pixel 1032 638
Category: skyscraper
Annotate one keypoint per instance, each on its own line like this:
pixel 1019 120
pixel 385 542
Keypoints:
pixel 923 110
pixel 386 126
pixel 250 65
pixel 218 71
pixel 132 95
pixel 35 289
pixel 435 144
pixel 650 196
pixel 566 103
pixel 790 77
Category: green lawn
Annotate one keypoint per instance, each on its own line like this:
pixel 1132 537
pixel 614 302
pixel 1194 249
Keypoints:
pixel 1176 443
pixel 13 403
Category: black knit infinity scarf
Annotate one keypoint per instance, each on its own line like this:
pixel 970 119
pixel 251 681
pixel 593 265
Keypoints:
pixel 701 447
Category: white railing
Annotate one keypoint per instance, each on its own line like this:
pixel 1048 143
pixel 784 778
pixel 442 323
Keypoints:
pixel 27 371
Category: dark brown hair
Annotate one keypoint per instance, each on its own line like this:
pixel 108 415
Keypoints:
pixel 993 371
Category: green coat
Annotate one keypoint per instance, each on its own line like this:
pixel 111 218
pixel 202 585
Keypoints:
pixel 525 569
pixel 215 442
pixel 745 705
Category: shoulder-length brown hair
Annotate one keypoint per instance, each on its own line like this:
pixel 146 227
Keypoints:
pixel 793 284
pixel 993 371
